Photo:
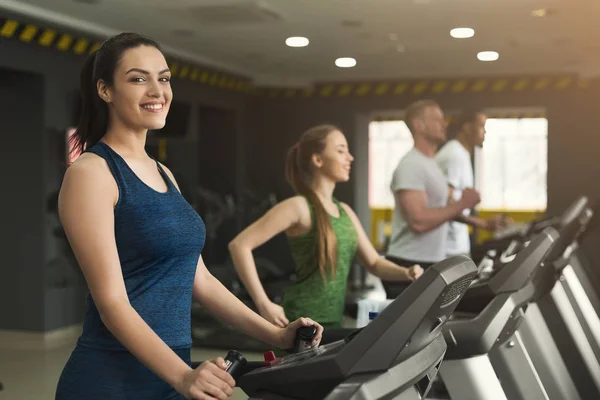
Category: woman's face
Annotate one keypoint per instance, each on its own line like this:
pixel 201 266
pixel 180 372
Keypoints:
pixel 141 93
pixel 334 162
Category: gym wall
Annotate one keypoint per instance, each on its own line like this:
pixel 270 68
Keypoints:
pixel 22 233
pixel 39 309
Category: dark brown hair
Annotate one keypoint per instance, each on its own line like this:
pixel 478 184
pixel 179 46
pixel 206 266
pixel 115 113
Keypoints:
pixel 101 64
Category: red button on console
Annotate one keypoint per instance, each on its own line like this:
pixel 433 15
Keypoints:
pixel 269 356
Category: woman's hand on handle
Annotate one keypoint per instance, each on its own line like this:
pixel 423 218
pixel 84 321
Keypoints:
pixel 273 313
pixel 207 382
pixel 288 334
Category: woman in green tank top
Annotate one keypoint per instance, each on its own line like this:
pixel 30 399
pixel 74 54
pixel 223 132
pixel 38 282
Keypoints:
pixel 324 234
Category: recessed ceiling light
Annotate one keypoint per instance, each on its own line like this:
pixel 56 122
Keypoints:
pixel 345 62
pixel 540 12
pixel 462 33
pixel 297 41
pixel 487 56
pixel 400 48
pixel 393 36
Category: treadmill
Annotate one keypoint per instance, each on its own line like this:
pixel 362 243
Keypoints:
pixel 396 356
pixel 486 320
pixel 556 365
pixel 563 328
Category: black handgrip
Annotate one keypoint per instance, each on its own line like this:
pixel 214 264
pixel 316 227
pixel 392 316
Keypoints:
pixel 304 336
pixel 235 362
pixel 306 333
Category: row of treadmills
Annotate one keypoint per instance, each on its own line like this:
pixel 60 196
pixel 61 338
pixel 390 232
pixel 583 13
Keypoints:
pixel 526 331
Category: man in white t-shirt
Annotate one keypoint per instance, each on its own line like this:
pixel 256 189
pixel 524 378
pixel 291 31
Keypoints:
pixel 422 212
pixel 454 158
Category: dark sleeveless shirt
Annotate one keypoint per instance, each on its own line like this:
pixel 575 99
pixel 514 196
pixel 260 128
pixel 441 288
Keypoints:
pixel 159 238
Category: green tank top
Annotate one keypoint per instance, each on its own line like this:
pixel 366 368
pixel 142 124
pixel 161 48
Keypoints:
pixel 312 296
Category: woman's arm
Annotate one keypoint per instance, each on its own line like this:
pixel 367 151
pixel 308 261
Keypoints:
pixel 221 302
pixel 378 266
pixel 289 215
pixel 86 209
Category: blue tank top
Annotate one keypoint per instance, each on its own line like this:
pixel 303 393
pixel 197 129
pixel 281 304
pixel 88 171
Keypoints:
pixel 159 239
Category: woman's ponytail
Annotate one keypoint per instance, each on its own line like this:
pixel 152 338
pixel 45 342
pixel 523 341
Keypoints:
pixel 94 114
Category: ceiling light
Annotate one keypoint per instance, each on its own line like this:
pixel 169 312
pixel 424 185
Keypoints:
pixel 487 56
pixel 462 33
pixel 540 12
pixel 393 36
pixel 297 41
pixel 345 62
pixel 400 48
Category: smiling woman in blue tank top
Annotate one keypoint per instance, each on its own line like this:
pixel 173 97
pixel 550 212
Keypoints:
pixel 138 243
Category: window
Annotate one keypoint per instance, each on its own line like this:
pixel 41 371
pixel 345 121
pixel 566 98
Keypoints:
pixel 389 141
pixel 511 167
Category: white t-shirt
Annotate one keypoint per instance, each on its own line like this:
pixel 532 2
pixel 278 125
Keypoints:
pixel 455 162
pixel 416 171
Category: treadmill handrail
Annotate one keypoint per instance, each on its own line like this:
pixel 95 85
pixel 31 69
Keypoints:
pixel 478 335
pixel 513 276
pixel 365 353
pixel 574 211
pixel 569 233
pixel 513 288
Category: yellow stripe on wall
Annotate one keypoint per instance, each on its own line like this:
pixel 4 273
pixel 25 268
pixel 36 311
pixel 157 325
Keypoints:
pixel 9 28
pixel 28 33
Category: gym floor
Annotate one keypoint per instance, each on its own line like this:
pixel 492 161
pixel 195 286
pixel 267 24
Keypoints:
pixel 33 374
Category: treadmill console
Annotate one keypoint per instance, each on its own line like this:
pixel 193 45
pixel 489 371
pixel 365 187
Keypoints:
pixel 408 331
